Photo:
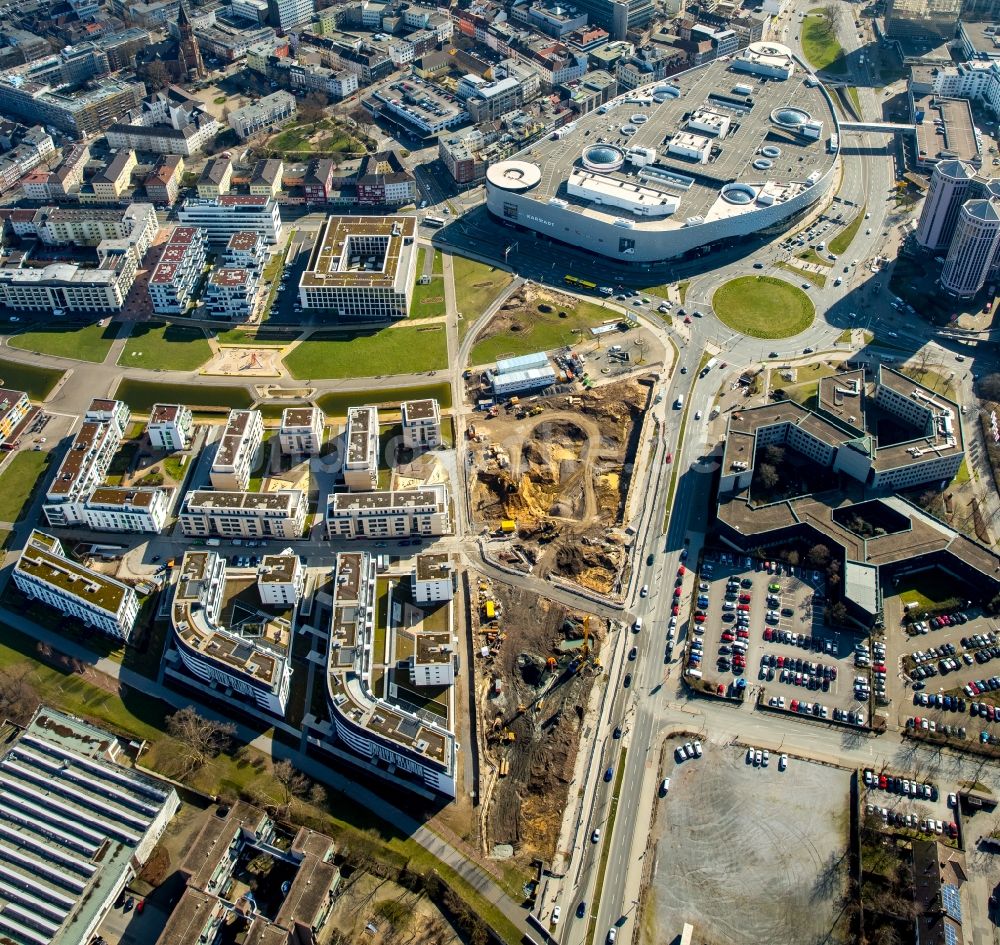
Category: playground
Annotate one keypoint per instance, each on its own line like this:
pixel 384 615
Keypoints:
pixel 245 362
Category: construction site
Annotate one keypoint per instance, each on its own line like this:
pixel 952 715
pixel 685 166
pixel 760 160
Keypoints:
pixel 536 664
pixel 552 477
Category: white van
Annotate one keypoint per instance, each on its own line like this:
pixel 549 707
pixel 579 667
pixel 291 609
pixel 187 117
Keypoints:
pixel 679 402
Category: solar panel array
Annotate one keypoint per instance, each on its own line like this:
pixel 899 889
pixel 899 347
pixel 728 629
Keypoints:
pixel 62 815
pixel 950 935
pixel 952 901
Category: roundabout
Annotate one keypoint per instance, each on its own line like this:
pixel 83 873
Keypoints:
pixel 763 307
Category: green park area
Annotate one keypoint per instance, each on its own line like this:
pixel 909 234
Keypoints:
pixel 155 345
pixel 337 403
pixel 18 480
pixel 428 297
pixel 476 285
pixel 763 307
pixel 820 43
pixel 550 320
pixel 90 342
pixel 846 236
pixel 318 137
pixel 261 337
pixel 141 395
pixel 36 382
pixel 388 351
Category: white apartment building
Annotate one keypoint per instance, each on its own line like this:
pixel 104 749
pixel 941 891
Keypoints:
pixel 136 224
pixel 246 666
pixel 270 112
pixel 119 509
pixel 246 250
pixel 280 514
pixel 221 217
pixel 285 14
pixel 86 463
pixel 401 514
pixel 170 427
pixel 43 572
pixel 237 450
pixel 14 407
pixel 421 424
pixel 231 294
pixel 433 660
pixel 301 430
pixel 281 579
pixel 433 579
pixel 177 273
pixel 360 466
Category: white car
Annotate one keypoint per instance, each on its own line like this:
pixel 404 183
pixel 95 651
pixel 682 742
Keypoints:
pixel 757 757
pixel 697 415
pixel 645 590
pixel 556 912
pixel 766 758
pixel 697 749
pixel 749 756
pixel 665 786
pixel 688 750
pixel 596 835
pixel 782 762
pixel 612 935
pixel 953 801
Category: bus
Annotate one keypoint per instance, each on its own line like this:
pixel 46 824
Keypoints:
pixel 433 221
pixel 580 283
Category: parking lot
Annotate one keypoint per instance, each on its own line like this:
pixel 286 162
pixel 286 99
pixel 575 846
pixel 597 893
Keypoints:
pixel 914 804
pixel 748 854
pixel 768 629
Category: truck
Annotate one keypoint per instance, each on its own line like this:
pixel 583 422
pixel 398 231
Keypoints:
pixel 607 290
pixel 709 365
pixel 213 542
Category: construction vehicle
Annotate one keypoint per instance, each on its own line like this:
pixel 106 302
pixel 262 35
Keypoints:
pixel 551 664
pixel 536 410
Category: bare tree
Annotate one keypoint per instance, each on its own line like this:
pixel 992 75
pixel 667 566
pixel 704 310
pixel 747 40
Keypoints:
pixel 293 782
pixel 200 738
pixel 767 476
pixel 18 698
pixel 989 386
pixel 818 555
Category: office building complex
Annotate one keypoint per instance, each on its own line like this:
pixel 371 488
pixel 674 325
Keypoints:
pixel 421 424
pixel 221 217
pixel 928 21
pixel 402 514
pixel 362 268
pixel 78 827
pixel 301 430
pixel 368 725
pixel 237 450
pixel 949 189
pixel 44 573
pixel 285 14
pixel 973 247
pixel 170 427
pixel 640 201
pixel 280 514
pixel 78 113
pixel 360 466
pixel 244 654
pixel 178 272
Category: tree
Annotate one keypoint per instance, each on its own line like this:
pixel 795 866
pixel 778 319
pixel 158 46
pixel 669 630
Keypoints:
pixel 18 698
pixel 156 75
pixel 818 555
pixel 774 454
pixel 312 107
pixel 989 386
pixel 767 476
pixel 829 16
pixel 362 119
pixel 292 781
pixel 200 738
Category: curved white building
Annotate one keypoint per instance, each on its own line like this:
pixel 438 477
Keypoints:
pixel 724 150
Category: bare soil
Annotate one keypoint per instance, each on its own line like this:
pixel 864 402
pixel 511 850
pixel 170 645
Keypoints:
pixel 533 725
pixel 560 468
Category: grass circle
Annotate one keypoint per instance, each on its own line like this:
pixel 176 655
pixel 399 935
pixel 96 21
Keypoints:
pixel 763 307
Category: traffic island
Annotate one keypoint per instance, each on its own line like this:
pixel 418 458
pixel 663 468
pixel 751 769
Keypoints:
pixel 763 307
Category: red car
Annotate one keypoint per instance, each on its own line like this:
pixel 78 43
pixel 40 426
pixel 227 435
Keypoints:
pixel 745 598
pixel 882 781
pixel 768 633
pixel 743 607
pixel 727 637
pixel 675 610
pixel 699 618
pixel 681 571
pixel 743 634
pixel 794 705
pixel 721 690
pixel 781 662
pixel 677 592
pixel 670 457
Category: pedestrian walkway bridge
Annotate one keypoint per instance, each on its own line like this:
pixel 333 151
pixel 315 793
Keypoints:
pixel 876 127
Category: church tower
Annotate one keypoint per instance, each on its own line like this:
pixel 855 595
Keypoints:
pixel 190 53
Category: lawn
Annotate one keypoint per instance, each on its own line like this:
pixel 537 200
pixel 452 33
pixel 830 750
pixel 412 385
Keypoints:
pixel 811 256
pixel 816 278
pixel 155 345
pixel 336 403
pixel 262 337
pixel 369 353
pixel 121 462
pixel 763 307
pixel 36 382
pixel 852 93
pixel 176 467
pixel 846 236
pixel 428 299
pixel 141 395
pixel 295 139
pixel 80 342
pixel 476 285
pixel 820 45
pixel 927 589
pixel 17 481
pixel 527 330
